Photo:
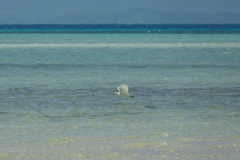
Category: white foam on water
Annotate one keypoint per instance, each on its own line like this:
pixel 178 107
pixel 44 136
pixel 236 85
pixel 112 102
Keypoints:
pixel 121 45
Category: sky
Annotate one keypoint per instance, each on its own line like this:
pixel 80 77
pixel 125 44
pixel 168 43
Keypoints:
pixel 67 11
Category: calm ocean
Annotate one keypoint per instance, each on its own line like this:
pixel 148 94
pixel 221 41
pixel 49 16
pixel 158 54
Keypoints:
pixel 57 84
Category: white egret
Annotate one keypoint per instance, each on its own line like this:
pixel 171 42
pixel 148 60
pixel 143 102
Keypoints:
pixel 123 91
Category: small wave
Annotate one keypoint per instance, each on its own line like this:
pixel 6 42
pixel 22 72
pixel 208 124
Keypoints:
pixel 125 45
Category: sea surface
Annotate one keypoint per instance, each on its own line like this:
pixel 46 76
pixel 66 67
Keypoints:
pixel 57 84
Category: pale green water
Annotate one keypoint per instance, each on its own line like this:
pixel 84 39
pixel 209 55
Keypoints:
pixel 56 96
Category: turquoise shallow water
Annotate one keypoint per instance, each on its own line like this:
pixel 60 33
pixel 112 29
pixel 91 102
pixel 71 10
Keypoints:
pixel 57 98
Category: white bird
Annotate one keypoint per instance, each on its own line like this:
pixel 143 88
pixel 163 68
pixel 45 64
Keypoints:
pixel 123 91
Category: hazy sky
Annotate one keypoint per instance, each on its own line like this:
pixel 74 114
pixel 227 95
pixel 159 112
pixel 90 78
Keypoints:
pixel 21 9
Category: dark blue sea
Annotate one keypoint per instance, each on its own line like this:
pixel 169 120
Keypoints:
pixel 57 84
